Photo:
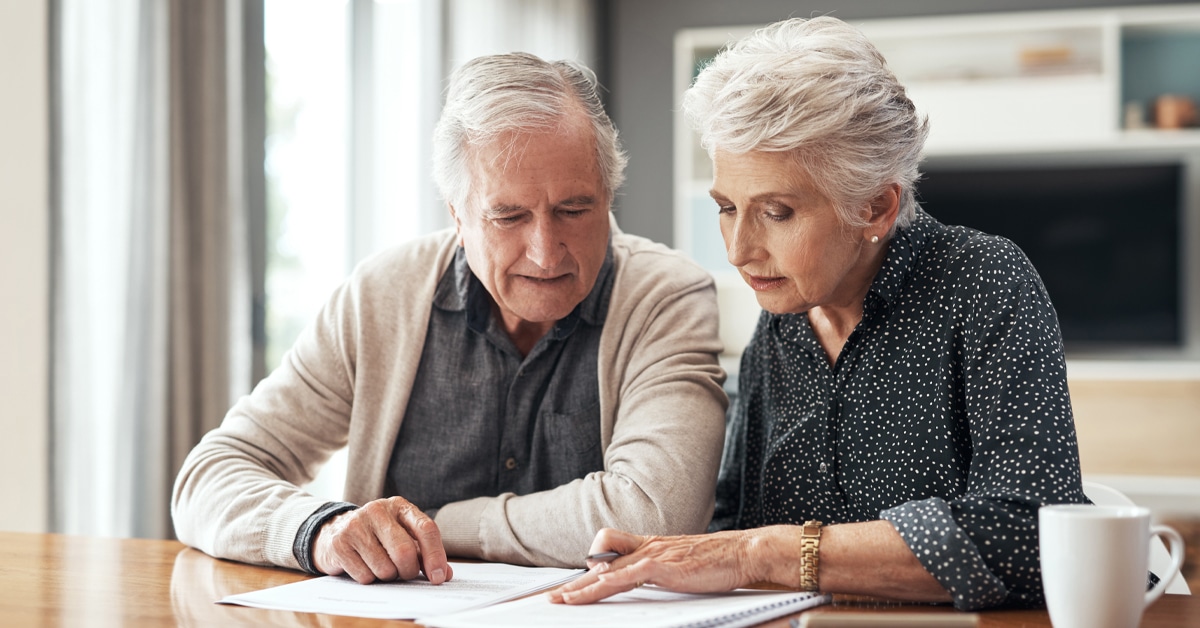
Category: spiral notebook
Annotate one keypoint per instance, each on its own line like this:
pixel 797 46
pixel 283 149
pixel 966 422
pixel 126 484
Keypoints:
pixel 647 607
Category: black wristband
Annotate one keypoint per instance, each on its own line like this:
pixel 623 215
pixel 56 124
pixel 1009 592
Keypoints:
pixel 306 536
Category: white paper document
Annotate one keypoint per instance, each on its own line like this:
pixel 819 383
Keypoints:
pixel 647 607
pixel 473 585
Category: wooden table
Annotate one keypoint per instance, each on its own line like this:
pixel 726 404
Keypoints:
pixel 57 580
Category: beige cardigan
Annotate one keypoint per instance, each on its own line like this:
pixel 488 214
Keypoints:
pixel 347 380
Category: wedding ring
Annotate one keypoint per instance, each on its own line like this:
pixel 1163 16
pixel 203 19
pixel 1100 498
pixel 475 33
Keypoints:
pixel 639 584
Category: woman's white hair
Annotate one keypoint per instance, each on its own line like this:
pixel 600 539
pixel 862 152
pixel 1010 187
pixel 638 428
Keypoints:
pixel 818 89
pixel 517 92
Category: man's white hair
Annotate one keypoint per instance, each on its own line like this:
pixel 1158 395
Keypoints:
pixel 518 92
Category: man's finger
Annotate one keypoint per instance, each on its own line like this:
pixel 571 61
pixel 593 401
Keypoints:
pixel 354 566
pixel 377 552
pixel 447 573
pixel 428 538
pixel 403 553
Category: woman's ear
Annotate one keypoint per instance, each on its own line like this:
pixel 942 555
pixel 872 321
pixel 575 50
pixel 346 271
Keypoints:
pixel 884 209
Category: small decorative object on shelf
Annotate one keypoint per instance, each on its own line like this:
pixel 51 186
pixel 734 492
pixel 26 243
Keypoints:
pixel 1135 115
pixel 1050 59
pixel 1172 111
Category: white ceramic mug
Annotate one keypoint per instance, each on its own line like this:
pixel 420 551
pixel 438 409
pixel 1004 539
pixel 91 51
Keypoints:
pixel 1094 563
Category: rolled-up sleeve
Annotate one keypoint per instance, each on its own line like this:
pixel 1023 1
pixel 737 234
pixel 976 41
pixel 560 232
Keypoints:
pixel 982 545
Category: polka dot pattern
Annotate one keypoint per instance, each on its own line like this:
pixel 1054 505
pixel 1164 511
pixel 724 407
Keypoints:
pixel 947 413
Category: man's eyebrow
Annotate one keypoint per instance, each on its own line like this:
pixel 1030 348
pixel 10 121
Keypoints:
pixel 576 201
pixel 498 211
pixel 507 209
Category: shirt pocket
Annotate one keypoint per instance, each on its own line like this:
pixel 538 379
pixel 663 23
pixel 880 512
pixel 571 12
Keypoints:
pixel 577 432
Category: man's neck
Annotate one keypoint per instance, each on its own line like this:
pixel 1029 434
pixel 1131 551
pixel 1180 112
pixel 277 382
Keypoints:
pixel 523 334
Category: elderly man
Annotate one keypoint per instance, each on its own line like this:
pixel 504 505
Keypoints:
pixel 506 388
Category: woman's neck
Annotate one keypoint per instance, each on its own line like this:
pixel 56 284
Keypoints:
pixel 833 322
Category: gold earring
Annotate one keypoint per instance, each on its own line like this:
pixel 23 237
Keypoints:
pixel 875 239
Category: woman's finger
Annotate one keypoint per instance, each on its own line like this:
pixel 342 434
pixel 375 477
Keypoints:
pixel 592 575
pixel 610 541
pixel 608 583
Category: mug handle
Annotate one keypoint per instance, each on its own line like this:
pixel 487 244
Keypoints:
pixel 1176 547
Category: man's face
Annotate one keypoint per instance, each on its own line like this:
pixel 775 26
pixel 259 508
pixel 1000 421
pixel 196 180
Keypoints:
pixel 535 228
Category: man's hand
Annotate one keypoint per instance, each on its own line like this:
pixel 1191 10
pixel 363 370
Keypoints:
pixel 387 539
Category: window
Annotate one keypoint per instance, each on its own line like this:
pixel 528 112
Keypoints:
pixel 306 151
pixel 353 90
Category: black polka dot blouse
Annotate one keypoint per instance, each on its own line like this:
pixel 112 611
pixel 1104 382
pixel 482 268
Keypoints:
pixel 946 413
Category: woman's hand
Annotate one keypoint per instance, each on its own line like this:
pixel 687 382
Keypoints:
pixel 702 563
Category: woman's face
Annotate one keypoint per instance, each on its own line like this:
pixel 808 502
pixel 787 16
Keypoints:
pixel 785 238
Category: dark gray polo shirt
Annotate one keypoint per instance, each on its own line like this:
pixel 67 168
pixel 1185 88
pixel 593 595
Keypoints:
pixel 482 420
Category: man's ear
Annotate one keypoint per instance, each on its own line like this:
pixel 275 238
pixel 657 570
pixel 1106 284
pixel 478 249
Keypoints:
pixel 457 222
pixel 884 209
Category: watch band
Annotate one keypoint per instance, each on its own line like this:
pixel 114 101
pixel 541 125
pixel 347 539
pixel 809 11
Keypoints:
pixel 810 545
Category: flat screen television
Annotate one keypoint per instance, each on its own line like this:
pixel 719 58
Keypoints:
pixel 1107 240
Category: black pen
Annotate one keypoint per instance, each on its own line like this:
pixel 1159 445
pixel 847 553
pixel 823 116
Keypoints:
pixel 605 557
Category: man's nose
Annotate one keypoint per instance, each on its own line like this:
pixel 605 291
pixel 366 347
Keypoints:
pixel 545 247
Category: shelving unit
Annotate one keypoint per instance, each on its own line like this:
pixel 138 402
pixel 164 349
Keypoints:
pixel 995 86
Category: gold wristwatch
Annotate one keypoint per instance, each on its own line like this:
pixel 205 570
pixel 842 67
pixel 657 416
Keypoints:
pixel 810 545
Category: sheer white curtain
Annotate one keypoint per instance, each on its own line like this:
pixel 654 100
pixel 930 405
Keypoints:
pixel 396 78
pixel 551 29
pixel 111 275
pixel 151 293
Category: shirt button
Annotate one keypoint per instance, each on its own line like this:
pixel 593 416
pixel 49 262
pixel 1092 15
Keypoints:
pixel 510 464
pixel 823 467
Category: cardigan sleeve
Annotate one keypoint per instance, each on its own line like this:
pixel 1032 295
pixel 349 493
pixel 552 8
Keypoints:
pixel 238 493
pixel 983 545
pixel 663 414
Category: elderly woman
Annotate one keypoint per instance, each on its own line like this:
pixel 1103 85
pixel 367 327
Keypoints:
pixel 903 407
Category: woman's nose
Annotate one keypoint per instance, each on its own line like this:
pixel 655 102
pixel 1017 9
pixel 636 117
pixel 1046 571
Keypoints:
pixel 740 245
